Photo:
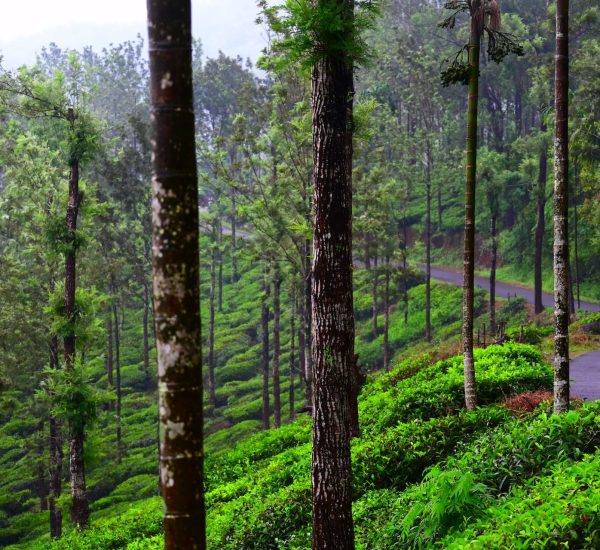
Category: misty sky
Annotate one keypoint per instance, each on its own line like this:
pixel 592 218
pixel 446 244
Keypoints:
pixel 27 25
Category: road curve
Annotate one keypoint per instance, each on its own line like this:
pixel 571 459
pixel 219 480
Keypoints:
pixel 585 376
pixel 503 290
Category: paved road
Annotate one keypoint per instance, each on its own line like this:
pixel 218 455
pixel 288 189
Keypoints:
pixel 502 289
pixel 585 376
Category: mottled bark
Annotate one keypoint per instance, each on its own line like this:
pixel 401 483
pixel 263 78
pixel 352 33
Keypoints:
pixel 79 507
pixel 212 396
pixel 264 322
pixel 540 225
pixel 176 272
pixel 332 306
pixel 117 329
pixel 276 347
pixel 494 215
pixel 561 210
pixel 469 238
pixel 428 169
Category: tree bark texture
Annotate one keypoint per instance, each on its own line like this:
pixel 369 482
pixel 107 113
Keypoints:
pixel 332 306
pixel 176 272
pixel 80 507
pixel 561 210
pixel 541 225
pixel 469 238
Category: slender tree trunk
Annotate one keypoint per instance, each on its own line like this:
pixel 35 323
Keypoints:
pixel 541 224
pixel 80 507
pixel 493 275
pixel 375 297
pixel 220 258
pixel 234 264
pixel 469 240
pixel 176 273
pixel 146 342
pixel 308 359
pixel 561 210
pixel 439 205
pixel 386 319
pixel 301 343
pixel 56 461
pixel 56 457
pixel 265 352
pixel 428 244
pixel 212 396
pixel 276 347
pixel 576 235
pixel 118 370
pixel 332 306
pixel 109 360
pixel 292 356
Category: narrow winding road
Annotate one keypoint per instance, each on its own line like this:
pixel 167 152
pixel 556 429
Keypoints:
pixel 585 369
pixel 503 290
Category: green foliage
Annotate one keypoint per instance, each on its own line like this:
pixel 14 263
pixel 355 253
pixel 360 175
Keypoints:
pixel 559 510
pixel 327 29
pixel 73 397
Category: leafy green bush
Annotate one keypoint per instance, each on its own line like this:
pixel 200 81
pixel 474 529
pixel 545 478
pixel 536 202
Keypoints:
pixel 561 510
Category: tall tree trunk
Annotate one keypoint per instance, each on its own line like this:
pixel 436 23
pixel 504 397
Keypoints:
pixel 146 342
pixel 332 306
pixel 386 319
pixel 308 359
pixel 176 272
pixel 301 343
pixel 56 457
pixel 292 356
pixel 469 240
pixel 541 224
pixel 109 360
pixel 212 396
pixel 493 275
pixel 428 244
pixel 80 507
pixel 118 370
pixel 439 205
pixel 265 351
pixel 374 297
pixel 276 347
pixel 561 210
pixel 234 263
pixel 576 235
pixel 56 461
pixel 220 258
